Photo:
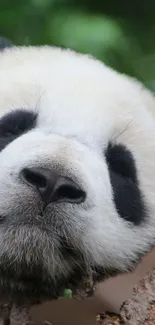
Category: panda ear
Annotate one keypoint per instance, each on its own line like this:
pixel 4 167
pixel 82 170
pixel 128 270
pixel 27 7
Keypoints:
pixel 5 43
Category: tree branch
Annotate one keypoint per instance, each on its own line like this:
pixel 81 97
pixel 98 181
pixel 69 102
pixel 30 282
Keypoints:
pixel 139 310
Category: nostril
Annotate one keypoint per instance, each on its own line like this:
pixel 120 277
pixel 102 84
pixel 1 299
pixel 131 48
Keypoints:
pixel 69 192
pixel 34 178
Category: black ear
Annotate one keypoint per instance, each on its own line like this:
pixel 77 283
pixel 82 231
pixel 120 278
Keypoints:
pixel 4 43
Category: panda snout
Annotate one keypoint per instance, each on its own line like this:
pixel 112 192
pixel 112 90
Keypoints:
pixel 53 187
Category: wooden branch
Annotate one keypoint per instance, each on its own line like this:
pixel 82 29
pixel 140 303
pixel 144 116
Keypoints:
pixel 139 310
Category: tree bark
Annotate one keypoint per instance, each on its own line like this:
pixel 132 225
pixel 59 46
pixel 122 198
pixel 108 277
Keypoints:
pixel 139 310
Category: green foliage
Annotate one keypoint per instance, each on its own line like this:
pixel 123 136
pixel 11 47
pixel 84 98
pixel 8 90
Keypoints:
pixel 121 33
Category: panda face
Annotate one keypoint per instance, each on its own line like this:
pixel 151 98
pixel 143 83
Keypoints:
pixel 77 154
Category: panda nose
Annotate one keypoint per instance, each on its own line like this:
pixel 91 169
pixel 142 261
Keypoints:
pixel 52 187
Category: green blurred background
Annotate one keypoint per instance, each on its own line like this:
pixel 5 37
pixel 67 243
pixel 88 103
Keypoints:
pixel 119 32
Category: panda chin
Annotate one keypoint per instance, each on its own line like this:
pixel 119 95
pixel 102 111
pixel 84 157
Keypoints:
pixel 31 289
pixel 40 287
pixel 22 279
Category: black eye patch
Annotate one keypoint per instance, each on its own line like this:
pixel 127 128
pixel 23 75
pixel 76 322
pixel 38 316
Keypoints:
pixel 123 176
pixel 14 124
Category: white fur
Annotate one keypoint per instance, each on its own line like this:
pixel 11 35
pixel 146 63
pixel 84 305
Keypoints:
pixel 82 104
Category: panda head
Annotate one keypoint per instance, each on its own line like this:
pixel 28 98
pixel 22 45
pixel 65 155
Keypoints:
pixel 77 166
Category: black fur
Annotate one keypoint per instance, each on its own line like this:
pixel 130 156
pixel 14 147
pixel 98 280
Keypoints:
pixel 14 124
pixel 35 283
pixel 127 195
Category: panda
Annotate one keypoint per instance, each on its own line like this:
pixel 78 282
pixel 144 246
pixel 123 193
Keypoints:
pixel 77 166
